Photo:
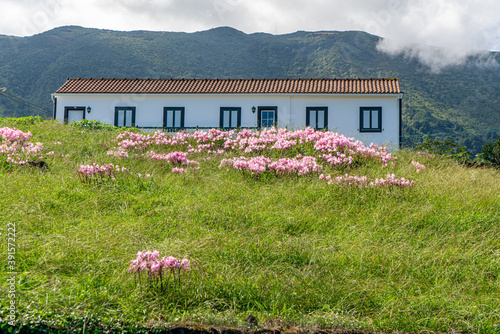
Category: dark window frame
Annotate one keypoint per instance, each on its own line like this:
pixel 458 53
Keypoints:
pixel 316 109
pixel 173 109
pixel 259 115
pixel 230 109
pixel 132 123
pixel 67 109
pixel 361 119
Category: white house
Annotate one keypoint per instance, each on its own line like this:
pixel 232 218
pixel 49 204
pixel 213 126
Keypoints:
pixel 367 109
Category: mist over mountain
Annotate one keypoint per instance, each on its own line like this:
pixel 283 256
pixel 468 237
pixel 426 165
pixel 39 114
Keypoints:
pixel 458 102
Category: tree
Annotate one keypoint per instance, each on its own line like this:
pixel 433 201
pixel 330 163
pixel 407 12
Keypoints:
pixel 446 147
pixel 491 152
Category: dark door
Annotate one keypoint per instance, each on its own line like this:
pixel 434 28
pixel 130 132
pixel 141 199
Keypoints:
pixel 267 117
pixel 73 114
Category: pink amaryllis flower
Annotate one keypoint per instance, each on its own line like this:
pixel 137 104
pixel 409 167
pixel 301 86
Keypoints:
pixel 418 166
pixel 15 145
pixel 96 172
pixel 156 269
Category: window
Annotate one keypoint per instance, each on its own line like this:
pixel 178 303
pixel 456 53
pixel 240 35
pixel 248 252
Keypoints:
pixel 317 117
pixel 268 117
pixel 370 119
pixel 230 118
pixel 125 116
pixel 173 117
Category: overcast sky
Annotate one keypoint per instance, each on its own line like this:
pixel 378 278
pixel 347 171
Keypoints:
pixel 461 27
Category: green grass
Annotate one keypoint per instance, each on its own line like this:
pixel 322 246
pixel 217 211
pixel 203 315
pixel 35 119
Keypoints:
pixel 294 252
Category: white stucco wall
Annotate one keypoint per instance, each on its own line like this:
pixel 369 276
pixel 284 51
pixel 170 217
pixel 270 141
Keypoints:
pixel 343 115
pixel 204 110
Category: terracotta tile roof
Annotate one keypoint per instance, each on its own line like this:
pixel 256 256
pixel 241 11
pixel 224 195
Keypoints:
pixel 230 86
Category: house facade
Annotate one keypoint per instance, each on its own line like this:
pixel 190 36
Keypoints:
pixel 366 109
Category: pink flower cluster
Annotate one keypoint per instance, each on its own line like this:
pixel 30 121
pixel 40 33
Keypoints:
pixel 177 170
pixel 425 154
pixel 271 139
pixel 136 140
pixel 148 262
pixel 300 166
pixel 339 149
pixel 14 135
pixel 118 152
pixel 95 172
pixel 16 146
pixel 346 180
pixel 332 148
pixel 335 148
pixel 175 158
pixel 337 159
pixel 418 166
pixel 391 181
pixel 257 165
pixel 362 181
pixel 204 140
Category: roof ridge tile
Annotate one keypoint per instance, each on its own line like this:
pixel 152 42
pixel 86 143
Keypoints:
pixel 231 86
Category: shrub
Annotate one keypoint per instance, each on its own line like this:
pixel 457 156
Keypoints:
pixel 92 125
pixel 20 121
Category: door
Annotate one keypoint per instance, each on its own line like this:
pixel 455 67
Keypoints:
pixel 267 117
pixel 73 114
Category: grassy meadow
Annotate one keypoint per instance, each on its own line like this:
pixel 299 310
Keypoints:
pixel 294 251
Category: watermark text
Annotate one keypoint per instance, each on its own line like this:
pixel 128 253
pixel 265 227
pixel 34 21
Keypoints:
pixel 11 275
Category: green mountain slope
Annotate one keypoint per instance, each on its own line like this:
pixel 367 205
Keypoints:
pixel 460 103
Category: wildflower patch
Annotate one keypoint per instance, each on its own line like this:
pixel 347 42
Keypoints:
pixel 418 166
pixel 285 166
pixel 156 272
pixel 96 173
pixel 16 147
pixel 273 151
pixel 390 181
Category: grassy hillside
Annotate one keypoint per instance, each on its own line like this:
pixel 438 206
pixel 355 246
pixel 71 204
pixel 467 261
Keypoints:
pixel 292 250
pixel 460 103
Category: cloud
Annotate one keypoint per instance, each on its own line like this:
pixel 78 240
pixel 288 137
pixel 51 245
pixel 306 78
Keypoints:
pixel 460 28
pixel 441 33
pixel 438 58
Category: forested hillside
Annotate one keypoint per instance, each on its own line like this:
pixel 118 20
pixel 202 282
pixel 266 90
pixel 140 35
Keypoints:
pixel 460 103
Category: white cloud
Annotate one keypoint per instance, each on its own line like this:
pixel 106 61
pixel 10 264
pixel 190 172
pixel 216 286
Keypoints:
pixel 460 27
pixel 443 32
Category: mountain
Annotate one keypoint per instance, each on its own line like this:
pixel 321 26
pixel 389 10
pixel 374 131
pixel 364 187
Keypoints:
pixel 460 103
